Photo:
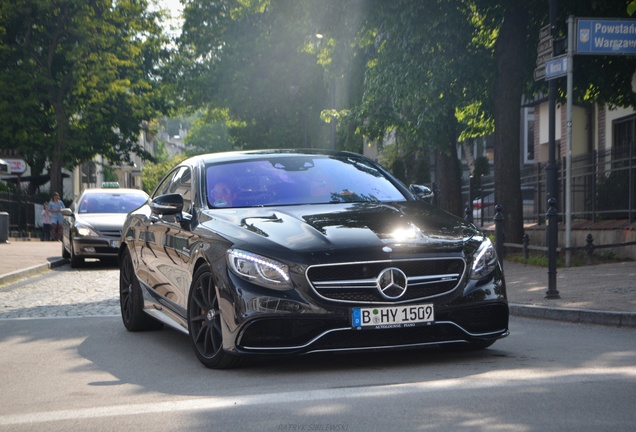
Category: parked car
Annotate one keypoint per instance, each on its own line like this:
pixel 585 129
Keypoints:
pixel 291 252
pixel 484 207
pixel 93 223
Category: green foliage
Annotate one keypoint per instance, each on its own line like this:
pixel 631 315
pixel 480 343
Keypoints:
pixel 7 187
pixel 153 173
pixel 252 62
pixel 209 133
pixel 161 152
pixel 475 121
pixel 79 78
pixel 109 174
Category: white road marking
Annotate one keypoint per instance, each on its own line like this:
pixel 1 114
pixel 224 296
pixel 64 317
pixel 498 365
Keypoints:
pixel 493 379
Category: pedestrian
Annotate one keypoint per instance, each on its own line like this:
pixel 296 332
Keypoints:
pixel 46 223
pixel 55 207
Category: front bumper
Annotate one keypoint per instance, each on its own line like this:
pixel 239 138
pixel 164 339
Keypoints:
pixel 263 321
pixel 293 335
pixel 96 247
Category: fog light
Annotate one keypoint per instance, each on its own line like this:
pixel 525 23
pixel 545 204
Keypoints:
pixel 273 304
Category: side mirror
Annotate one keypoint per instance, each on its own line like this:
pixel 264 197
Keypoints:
pixel 66 212
pixel 170 204
pixel 421 192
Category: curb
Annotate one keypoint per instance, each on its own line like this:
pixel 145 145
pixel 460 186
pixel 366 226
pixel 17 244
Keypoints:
pixel 578 316
pixel 31 271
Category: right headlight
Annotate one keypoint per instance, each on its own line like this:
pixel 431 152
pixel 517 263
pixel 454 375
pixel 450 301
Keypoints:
pixel 484 261
pixel 259 269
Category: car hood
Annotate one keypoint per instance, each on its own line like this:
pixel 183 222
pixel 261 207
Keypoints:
pixel 362 228
pixel 103 221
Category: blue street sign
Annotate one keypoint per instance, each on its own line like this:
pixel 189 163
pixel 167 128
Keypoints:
pixel 556 67
pixel 605 36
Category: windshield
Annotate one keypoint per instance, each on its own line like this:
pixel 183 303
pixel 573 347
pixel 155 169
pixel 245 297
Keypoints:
pixel 111 203
pixel 297 179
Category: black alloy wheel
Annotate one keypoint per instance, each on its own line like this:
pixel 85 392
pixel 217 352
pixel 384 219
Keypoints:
pixel 204 322
pixel 131 300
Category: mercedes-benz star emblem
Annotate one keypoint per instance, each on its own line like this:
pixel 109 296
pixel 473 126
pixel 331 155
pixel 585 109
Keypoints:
pixel 392 283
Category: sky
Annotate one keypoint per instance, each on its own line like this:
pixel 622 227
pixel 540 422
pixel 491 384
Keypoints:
pixel 175 7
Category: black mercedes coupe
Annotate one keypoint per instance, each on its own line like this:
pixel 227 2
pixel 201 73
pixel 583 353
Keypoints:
pixel 303 251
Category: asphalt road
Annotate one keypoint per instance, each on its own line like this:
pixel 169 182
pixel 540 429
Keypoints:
pixel 83 371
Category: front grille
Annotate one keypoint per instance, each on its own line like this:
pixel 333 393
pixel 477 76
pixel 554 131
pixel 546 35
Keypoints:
pixel 111 233
pixel 357 282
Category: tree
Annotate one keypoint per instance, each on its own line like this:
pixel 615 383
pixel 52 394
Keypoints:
pixel 597 79
pixel 248 57
pixel 423 61
pixel 155 171
pixel 79 78
pixel 426 74
pixel 510 70
pixel 209 134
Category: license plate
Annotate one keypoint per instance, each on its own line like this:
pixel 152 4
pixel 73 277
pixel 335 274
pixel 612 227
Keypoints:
pixel 392 317
pixel 114 243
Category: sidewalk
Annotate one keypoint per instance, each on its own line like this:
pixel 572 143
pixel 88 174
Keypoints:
pixel 600 294
pixel 21 258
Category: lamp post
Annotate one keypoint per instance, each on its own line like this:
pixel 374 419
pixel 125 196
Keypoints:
pixel 551 173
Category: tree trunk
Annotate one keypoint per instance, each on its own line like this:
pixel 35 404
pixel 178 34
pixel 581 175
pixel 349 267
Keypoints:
pixel 509 78
pixel 55 170
pixel 450 181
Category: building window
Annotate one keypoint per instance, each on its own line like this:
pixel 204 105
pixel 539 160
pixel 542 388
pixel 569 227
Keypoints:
pixel 528 134
pixel 623 136
pixel 89 173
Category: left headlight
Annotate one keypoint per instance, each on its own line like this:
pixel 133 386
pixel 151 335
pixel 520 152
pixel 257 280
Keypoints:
pixel 85 230
pixel 259 269
pixel 485 260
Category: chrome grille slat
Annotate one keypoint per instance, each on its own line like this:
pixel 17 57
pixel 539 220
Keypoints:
pixel 427 278
pixel 366 283
pixel 111 233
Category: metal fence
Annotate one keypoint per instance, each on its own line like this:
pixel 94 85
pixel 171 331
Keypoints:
pixel 603 188
pixel 23 212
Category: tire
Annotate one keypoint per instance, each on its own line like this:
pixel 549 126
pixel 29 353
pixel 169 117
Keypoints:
pixel 76 262
pixel 204 323
pixel 131 300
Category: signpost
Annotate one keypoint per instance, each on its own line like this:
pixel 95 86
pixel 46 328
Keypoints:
pixel 556 67
pixel 588 36
pixel 544 51
pixel 605 36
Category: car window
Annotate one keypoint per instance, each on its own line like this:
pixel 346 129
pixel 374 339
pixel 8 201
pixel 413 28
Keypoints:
pixel 110 202
pixel 179 181
pixel 297 180
pixel 164 186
